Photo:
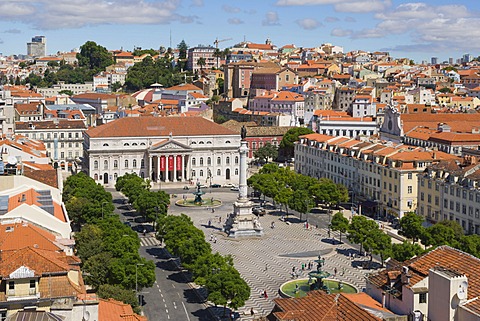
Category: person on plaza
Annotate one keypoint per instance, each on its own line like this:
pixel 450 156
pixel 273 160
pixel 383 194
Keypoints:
pixel 293 269
pixel 219 219
pixel 303 267
pixel 335 271
pixel 215 240
pixel 265 295
pixel 211 237
pixel 266 267
pixel 252 312
pixel 209 223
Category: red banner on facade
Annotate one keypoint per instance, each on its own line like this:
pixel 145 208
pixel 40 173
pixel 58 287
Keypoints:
pixel 170 163
pixel 179 163
pixel 162 163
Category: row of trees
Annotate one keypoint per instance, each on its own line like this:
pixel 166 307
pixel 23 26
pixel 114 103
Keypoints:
pixel 108 249
pixel 146 202
pixel 442 233
pixel 296 191
pixel 216 272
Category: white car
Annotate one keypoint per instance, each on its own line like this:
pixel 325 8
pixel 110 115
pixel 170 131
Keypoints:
pixel 229 185
pixel 234 188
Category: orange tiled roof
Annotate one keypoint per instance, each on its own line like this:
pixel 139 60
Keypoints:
pixel 183 87
pixel 158 126
pixel 16 236
pixel 113 310
pixel 458 122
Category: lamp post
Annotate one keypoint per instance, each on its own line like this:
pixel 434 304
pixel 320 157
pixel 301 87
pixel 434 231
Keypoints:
pixel 136 278
pixel 156 218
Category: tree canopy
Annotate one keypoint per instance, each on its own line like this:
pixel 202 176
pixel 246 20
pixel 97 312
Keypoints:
pixel 290 137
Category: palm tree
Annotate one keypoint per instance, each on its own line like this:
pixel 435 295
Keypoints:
pixel 201 62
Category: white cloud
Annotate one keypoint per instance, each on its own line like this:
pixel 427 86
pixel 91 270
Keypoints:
pixel 368 33
pixel 331 19
pixel 350 19
pixel 197 3
pixel 338 32
pixel 231 9
pixel 308 23
pixel 342 5
pixel 271 19
pixel 235 21
pixel 52 14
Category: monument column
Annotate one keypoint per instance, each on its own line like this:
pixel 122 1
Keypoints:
pixel 242 222
pixel 158 169
pixel 174 168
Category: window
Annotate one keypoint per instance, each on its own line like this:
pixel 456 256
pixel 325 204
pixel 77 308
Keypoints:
pixel 62 155
pixel 236 171
pixel 105 164
pixel 201 161
pixel 422 298
pixel 142 163
pixel 209 161
pixel 219 172
pixel 126 144
pixel 95 165
pixel 409 175
pixel 115 164
pixel 105 145
pixel 11 285
pixel 194 161
pixel 201 172
pixel 219 161
pixel 227 160
pixel 193 173
pixel 409 189
pixel 126 163
pixel 134 163
pixel 422 196
pixel 32 284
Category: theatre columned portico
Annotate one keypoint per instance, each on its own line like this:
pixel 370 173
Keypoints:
pixel 169 161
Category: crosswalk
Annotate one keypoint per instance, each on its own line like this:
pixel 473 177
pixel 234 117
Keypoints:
pixel 149 241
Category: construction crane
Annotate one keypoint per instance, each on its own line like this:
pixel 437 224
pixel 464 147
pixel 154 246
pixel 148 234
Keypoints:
pixel 216 42
pixel 216 45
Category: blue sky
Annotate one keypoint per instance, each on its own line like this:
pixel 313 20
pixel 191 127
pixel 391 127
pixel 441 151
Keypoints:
pixel 419 30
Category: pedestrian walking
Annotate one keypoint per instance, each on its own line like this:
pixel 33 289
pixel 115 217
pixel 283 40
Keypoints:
pixel 293 269
pixel 335 271
pixel 343 271
pixel 215 240
pixel 303 267
pixel 211 237
pixel 306 225
pixel 252 312
pixel 265 295
pixel 209 223
pixel 219 219
pixel 266 267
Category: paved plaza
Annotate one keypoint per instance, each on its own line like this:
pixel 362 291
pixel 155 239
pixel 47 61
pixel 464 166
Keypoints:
pixel 266 263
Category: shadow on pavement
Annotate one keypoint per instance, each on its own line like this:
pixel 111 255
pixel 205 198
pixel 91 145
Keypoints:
pixel 191 296
pixel 348 252
pixel 332 241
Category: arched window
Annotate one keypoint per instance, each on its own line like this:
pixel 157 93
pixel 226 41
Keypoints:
pixel 142 175
pixel 95 177
pixel 201 143
pixel 142 144
pixel 219 161
pixel 193 173
pixel 115 164
pixel 134 144
pixel 236 160
pixel 134 163
pixel 227 142
pixel 209 161
pixel 227 160
pixel 236 171
pixel 105 164
pixel 142 163
pixel 193 143
pixel 219 172
pixel 194 161
pixel 95 165
pixel 115 175
pixel 126 144
pixel 201 173
pixel 201 161
pixel 126 163
pixel 105 145
pixel 209 142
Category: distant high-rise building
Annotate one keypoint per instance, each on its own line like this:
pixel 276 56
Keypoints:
pixel 450 61
pixel 434 60
pixel 38 47
pixel 466 58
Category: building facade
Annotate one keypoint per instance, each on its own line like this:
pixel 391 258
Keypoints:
pixel 162 149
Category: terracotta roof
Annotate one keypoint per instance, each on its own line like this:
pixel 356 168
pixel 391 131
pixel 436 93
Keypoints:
pixel 288 96
pixel 184 87
pixel 29 109
pixel 158 126
pixel 16 236
pixel 94 96
pixel 458 122
pixel 113 310
pixel 318 306
pixel 259 46
pixel 50 124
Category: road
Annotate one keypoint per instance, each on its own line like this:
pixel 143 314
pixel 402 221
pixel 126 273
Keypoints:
pixel 171 297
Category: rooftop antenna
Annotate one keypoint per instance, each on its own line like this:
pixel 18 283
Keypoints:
pixel 170 38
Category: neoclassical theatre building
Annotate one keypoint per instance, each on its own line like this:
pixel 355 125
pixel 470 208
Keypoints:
pixel 163 149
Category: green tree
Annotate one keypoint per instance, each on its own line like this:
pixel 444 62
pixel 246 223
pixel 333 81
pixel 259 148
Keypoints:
pixel 359 230
pixel 116 292
pixel 411 226
pixel 405 251
pixel 66 92
pixel 94 57
pixel 290 137
pixel 201 62
pixel 116 86
pixel 52 64
pixel 439 234
pixel 227 288
pixel 381 244
pixel 470 244
pixel 88 242
pixel 266 152
pixel 205 266
pixel 182 55
pixel 96 269
pixel 339 223
pixel 445 90
pixel 151 204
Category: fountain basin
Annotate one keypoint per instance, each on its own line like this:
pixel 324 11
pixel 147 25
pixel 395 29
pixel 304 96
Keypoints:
pixel 190 202
pixel 289 289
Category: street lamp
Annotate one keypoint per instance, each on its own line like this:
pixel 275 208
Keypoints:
pixel 136 278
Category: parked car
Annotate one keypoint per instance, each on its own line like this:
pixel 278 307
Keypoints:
pixel 234 188
pixel 318 210
pixel 258 210
pixel 228 185
pixel 215 186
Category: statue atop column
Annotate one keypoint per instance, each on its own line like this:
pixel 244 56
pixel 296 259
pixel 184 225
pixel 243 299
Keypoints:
pixel 243 132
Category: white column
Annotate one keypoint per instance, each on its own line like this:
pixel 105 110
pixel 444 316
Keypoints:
pixel 175 168
pixel 166 168
pixel 183 168
pixel 242 181
pixel 158 169
pixel 149 167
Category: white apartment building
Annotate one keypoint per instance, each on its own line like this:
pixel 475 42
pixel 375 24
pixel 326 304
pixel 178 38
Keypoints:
pixel 194 54
pixel 74 88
